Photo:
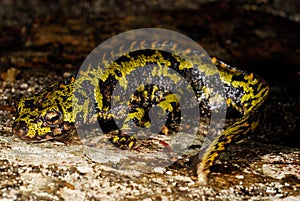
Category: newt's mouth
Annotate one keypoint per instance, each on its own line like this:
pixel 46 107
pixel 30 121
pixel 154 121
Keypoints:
pixel 56 133
pixel 21 130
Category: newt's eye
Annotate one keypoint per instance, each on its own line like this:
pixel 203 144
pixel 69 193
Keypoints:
pixel 53 118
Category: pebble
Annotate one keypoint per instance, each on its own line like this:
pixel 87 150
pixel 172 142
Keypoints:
pixel 24 86
pixel 84 169
pixel 239 176
pixel 67 74
pixel 159 169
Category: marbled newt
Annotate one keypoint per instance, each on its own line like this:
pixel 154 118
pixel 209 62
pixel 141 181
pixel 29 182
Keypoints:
pixel 50 114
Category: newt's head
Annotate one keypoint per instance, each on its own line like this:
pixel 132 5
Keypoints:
pixel 46 115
